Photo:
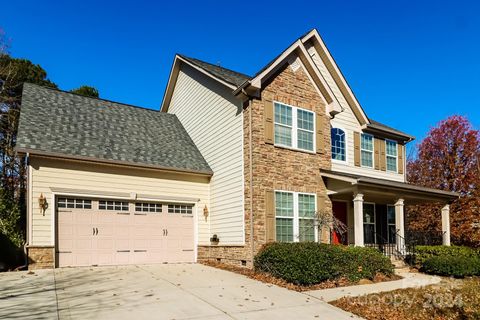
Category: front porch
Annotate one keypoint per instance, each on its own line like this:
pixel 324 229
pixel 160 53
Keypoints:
pixel 373 210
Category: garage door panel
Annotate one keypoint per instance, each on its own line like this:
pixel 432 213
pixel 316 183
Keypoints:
pixel 123 258
pixel 105 257
pixel 82 259
pixel 65 258
pixel 140 256
pixel 106 244
pixel 82 217
pixel 83 244
pixel 109 217
pixel 66 245
pixel 124 237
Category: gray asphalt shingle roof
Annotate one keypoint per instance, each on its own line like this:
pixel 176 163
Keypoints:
pixel 233 77
pixel 62 123
pixel 388 128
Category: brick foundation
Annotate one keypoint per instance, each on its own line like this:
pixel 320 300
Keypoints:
pixel 234 255
pixel 41 257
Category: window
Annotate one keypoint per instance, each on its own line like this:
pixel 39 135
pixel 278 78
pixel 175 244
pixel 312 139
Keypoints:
pixel 338 144
pixel 294 127
pixel 284 216
pixel 295 216
pixel 113 205
pixel 391 152
pixel 366 147
pixel 74 203
pixel 283 125
pixel 306 217
pixel 305 130
pixel 148 207
pixel 391 227
pixel 180 208
pixel 369 222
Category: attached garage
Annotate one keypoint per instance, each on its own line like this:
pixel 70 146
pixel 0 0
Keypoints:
pixel 108 183
pixel 94 232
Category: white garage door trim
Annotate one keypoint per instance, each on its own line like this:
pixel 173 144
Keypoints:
pixel 89 194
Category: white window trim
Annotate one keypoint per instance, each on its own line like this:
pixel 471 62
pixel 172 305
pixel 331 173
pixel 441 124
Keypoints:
pixel 387 155
pixel 346 145
pixel 371 151
pixel 374 219
pixel 296 217
pixel 390 224
pixel 295 128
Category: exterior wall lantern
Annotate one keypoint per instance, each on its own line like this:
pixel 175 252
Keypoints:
pixel 42 203
pixel 205 212
pixel 214 239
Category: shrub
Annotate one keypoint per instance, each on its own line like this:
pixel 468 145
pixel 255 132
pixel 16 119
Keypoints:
pixel 308 263
pixel 425 252
pixel 456 266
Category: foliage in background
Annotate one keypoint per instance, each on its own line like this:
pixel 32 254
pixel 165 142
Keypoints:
pixel 423 253
pixel 449 159
pixel 453 261
pixel 13 73
pixel 86 91
pixel 449 266
pixel 310 263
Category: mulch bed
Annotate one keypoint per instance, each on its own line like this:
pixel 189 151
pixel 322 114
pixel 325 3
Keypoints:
pixel 267 278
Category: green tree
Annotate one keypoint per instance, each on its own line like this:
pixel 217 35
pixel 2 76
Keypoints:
pixel 13 73
pixel 86 91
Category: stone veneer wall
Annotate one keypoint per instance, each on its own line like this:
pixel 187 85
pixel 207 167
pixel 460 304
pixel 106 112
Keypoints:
pixel 41 257
pixel 276 168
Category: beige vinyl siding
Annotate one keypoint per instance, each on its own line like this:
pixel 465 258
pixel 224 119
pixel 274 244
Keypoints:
pixel 213 119
pixel 49 173
pixel 347 121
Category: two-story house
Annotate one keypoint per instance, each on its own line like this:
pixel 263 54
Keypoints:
pixel 231 162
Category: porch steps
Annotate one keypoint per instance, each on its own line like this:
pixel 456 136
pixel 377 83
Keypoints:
pixel 398 264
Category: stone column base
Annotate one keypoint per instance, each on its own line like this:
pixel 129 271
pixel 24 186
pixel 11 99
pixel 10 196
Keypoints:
pixel 41 257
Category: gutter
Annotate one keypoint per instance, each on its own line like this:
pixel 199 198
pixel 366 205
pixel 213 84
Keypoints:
pixel 405 137
pixel 409 187
pixel 111 162
pixel 240 89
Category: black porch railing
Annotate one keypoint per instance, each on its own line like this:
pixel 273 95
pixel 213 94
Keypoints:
pixel 379 242
pixel 400 249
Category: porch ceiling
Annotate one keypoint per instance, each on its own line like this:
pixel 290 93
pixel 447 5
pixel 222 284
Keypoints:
pixel 343 185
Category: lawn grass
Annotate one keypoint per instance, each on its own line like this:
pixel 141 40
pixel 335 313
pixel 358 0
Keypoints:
pixel 450 299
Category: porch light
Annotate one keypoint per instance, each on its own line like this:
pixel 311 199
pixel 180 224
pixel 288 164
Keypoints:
pixel 205 212
pixel 43 204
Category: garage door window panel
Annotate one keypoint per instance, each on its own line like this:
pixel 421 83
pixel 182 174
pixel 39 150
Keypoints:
pixel 180 208
pixel 148 207
pixel 74 203
pixel 113 205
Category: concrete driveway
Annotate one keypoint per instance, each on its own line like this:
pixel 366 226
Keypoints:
pixel 175 291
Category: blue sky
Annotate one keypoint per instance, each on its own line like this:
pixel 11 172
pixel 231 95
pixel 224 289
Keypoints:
pixel 410 63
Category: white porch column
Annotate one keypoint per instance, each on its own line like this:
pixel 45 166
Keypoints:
pixel 446 224
pixel 358 219
pixel 400 225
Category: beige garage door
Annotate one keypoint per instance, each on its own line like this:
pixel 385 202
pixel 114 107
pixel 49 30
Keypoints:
pixel 112 232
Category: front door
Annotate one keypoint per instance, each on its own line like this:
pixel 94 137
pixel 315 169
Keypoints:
pixel 340 213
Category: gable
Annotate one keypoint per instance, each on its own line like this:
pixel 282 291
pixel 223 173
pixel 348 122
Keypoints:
pixel 320 67
pixel 333 75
